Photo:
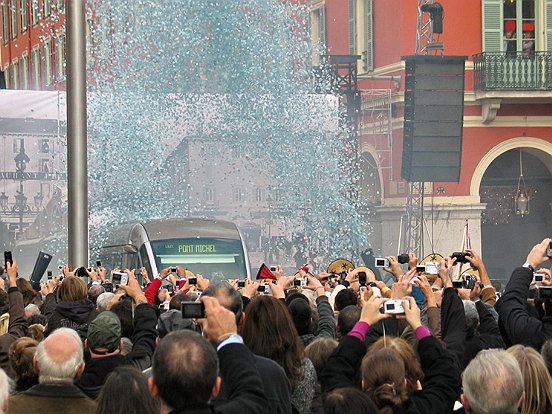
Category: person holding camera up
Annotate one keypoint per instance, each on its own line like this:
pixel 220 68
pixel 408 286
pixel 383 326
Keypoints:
pixel 104 341
pixel 386 385
pixel 517 325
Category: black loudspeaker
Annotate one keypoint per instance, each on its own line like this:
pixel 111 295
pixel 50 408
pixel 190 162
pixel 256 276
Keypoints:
pixel 433 118
pixel 41 264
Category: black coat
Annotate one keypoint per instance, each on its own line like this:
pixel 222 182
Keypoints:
pixel 516 324
pixel 277 388
pixel 486 336
pixel 75 315
pixel 244 387
pixel 441 384
pixel 143 345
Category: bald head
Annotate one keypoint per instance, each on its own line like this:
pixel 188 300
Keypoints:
pixel 59 358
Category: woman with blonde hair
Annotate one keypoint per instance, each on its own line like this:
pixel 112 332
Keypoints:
pixel 538 383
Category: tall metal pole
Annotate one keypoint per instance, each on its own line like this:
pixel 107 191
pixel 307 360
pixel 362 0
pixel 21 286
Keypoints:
pixel 77 167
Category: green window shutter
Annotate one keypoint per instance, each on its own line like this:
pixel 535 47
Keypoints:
pixel 492 26
pixel 352 27
pixel 368 54
pixel 548 25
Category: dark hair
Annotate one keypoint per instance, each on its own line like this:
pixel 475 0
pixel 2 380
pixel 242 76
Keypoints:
pixel 347 318
pixel 176 301
pixel 319 351
pixel 301 314
pixel 123 309
pixel 348 400
pixel 185 367
pixel 383 375
pixel 126 391
pixel 29 294
pixel 21 355
pixel 269 331
pixel 344 298
pixel 546 353
pixel 228 297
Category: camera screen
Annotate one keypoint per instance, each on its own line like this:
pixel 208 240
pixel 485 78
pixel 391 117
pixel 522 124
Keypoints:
pixel 297 282
pixel 192 280
pixel 261 288
pixel 98 263
pixel 391 306
pixel 380 262
pixel 241 283
pixel 117 277
pixel 193 310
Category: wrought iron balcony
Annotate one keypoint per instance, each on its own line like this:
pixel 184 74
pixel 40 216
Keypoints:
pixel 513 71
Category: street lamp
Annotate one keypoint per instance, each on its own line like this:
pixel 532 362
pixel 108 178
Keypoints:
pixel 20 208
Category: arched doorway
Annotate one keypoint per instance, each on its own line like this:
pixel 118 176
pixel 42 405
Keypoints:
pixel 506 237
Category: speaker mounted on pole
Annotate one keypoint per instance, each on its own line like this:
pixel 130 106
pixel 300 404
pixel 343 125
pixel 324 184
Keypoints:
pixel 433 118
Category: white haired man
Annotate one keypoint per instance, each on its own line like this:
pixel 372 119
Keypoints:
pixel 492 384
pixel 58 362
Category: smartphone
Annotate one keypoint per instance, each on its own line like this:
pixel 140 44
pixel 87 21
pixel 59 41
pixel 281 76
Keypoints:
pixel 192 310
pixel 241 283
pixel 192 280
pixel 362 278
pixel 382 262
pixel 8 259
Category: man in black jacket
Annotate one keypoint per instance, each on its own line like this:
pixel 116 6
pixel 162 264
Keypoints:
pixel 515 323
pixel 187 373
pixel 104 342
pixel 278 389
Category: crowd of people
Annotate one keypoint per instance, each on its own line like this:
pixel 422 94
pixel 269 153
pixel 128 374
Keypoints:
pixel 340 342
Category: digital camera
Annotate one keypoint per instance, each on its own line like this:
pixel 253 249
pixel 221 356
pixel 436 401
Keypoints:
pixel 381 262
pixel 539 277
pixel 460 257
pixel 393 307
pixel 403 258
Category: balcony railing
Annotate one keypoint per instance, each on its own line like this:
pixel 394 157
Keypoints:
pixel 513 71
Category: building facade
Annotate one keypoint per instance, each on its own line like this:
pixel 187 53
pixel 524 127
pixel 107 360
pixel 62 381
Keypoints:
pixel 32 44
pixel 507 122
